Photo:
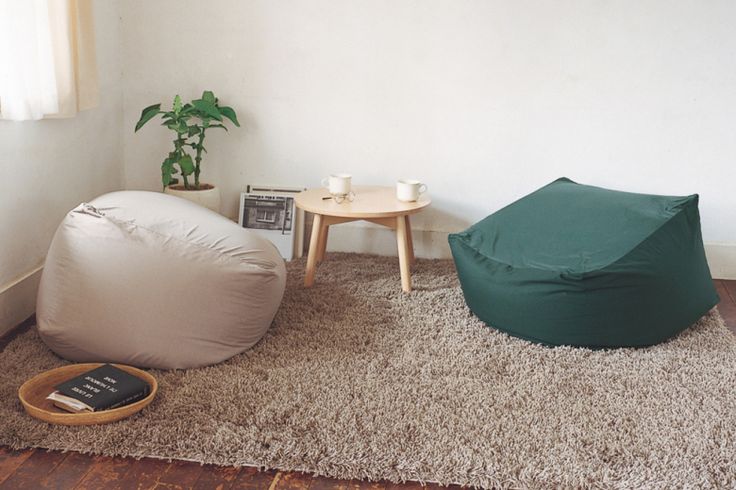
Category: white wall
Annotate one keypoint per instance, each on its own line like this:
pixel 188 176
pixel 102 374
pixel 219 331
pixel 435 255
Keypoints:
pixel 50 166
pixel 483 100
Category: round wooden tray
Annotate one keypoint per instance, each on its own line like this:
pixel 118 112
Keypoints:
pixel 33 395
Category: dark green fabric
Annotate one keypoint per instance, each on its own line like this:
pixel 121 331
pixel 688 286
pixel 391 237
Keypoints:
pixel 572 264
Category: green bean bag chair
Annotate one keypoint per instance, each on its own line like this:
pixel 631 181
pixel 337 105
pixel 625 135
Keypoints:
pixel 572 264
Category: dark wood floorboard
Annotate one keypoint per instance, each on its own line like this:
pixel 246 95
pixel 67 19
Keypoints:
pixel 252 479
pixel 412 486
pixel 180 475
pixel 323 483
pixel 291 481
pixel 33 470
pixel 68 473
pixel 731 289
pixel 216 477
pixel 105 472
pixel 142 474
pixel 727 306
pixel 10 460
pixel 40 469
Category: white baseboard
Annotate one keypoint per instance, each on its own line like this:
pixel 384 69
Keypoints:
pixel 433 244
pixel 18 299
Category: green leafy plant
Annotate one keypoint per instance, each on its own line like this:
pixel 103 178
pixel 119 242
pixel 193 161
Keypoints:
pixel 190 123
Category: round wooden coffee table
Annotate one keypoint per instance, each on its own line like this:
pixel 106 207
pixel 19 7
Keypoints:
pixel 372 203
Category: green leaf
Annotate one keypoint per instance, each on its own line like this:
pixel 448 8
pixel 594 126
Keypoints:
pixel 229 113
pixel 177 104
pixel 208 96
pixel 218 126
pixel 207 108
pixel 186 165
pixel 167 170
pixel 147 114
pixel 193 130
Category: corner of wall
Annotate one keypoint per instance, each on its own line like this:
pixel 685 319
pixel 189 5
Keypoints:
pixel 121 113
pixel 18 299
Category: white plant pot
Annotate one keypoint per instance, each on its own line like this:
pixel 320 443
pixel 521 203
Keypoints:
pixel 209 198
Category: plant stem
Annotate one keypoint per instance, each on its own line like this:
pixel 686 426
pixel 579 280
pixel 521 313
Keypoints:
pixel 198 158
pixel 179 147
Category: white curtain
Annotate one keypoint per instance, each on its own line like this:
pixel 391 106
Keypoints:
pixel 47 58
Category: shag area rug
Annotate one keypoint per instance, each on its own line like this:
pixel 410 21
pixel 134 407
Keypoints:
pixel 357 380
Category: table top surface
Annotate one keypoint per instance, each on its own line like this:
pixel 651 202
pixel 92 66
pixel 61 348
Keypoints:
pixel 370 202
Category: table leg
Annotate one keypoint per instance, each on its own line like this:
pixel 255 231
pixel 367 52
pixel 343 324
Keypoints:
pixel 322 245
pixel 401 239
pixel 313 250
pixel 409 241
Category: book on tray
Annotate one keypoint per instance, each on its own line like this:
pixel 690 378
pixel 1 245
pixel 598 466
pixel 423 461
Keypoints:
pixel 102 388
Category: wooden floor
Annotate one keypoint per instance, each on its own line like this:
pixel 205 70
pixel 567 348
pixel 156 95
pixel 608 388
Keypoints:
pixel 37 468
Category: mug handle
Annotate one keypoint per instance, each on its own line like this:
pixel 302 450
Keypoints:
pixel 422 188
pixel 325 182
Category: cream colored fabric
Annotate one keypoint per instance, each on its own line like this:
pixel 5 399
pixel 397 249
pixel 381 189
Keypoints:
pixel 152 280
pixel 48 64
pixel 74 55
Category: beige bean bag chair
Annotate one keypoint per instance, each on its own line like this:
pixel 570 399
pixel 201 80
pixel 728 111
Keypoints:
pixel 152 280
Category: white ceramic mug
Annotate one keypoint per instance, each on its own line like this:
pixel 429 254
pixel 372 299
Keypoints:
pixel 409 190
pixel 338 184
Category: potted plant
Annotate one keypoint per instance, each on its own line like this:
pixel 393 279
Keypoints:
pixel 190 123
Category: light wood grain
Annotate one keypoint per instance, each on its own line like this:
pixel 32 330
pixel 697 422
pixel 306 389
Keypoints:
pixel 403 245
pixel 387 222
pixel 33 395
pixel 313 251
pixel 336 220
pixel 409 241
pixel 369 202
pixel 324 230
pixel 375 204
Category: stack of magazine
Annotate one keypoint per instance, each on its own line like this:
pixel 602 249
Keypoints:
pixel 271 211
